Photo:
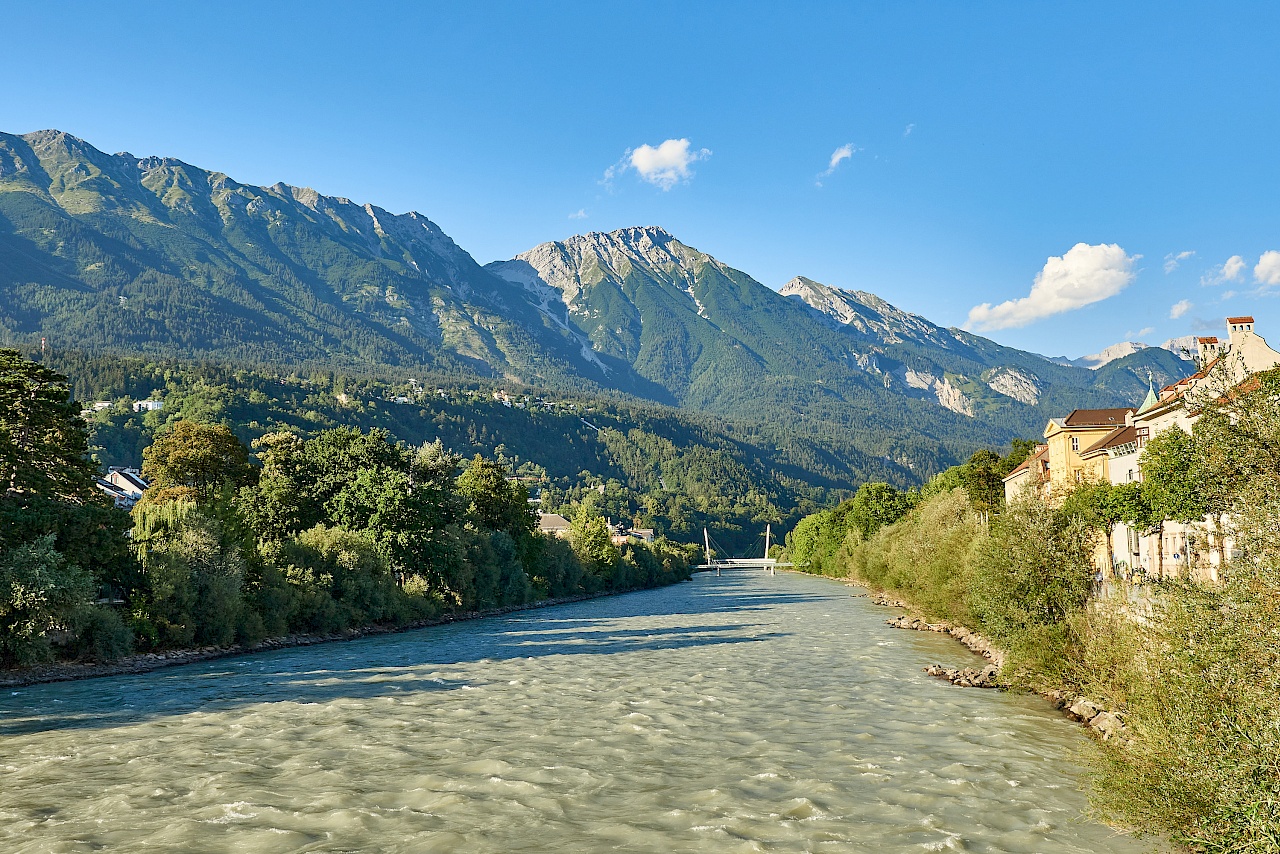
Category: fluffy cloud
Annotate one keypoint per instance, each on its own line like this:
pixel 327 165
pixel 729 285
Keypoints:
pixel 1179 308
pixel 1084 275
pixel 1172 260
pixel 1267 272
pixel 580 213
pixel 906 132
pixel 1229 271
pixel 838 156
pixel 664 166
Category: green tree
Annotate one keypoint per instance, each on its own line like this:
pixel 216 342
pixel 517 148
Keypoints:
pixel 194 457
pixel 592 543
pixel 493 501
pixel 39 592
pixel 1171 486
pixel 1031 576
pixel 43 443
pixel 48 479
pixel 875 505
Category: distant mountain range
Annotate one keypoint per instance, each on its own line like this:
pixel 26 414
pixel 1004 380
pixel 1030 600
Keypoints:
pixel 1183 347
pixel 151 255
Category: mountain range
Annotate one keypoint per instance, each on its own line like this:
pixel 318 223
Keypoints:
pixel 1181 346
pixel 116 253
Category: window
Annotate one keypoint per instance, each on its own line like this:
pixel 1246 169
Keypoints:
pixel 1075 443
pixel 1131 475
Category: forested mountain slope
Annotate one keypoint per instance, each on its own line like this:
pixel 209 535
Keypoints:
pixel 116 253
pixel 901 387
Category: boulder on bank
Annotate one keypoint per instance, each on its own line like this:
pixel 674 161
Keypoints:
pixel 967 677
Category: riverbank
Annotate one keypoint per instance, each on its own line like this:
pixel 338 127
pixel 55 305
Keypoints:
pixel 149 661
pixel 1105 723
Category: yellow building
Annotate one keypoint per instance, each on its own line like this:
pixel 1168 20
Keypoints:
pixel 1068 438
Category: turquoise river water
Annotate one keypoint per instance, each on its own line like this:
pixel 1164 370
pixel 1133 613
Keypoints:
pixel 741 713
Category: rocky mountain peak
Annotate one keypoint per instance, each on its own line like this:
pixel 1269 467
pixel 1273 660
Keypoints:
pixel 866 313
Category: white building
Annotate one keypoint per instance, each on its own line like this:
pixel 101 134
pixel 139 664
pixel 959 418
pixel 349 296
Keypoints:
pixel 1177 549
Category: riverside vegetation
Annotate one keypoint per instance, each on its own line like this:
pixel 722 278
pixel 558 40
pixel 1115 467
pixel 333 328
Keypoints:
pixel 338 529
pixel 1197 682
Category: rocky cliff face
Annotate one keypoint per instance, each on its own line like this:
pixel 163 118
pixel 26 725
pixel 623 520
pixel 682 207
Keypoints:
pixel 867 314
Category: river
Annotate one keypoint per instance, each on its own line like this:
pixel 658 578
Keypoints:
pixel 738 713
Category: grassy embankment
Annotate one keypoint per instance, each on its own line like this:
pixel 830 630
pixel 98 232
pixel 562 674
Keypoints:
pixel 1197 684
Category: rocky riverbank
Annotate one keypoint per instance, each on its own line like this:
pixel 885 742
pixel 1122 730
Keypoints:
pixel 146 662
pixel 1106 724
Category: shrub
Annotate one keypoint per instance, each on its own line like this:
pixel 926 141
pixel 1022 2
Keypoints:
pixel 39 593
pixel 101 635
pixel 1203 710
pixel 1031 576
pixel 925 557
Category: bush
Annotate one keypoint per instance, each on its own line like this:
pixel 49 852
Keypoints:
pixel 39 593
pixel 194 581
pixel 101 635
pixel 1203 710
pixel 925 558
pixel 340 579
pixel 1031 577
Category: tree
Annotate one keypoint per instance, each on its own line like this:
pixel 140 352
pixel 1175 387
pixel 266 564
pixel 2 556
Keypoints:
pixel 201 458
pixel 592 543
pixel 983 479
pixel 39 592
pixel 494 502
pixel 1030 575
pixel 47 480
pixel 875 505
pixel 1170 485
pixel 44 446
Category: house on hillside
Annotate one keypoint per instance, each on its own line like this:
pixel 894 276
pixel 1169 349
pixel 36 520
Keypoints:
pixel 124 485
pixel 148 405
pixel 553 525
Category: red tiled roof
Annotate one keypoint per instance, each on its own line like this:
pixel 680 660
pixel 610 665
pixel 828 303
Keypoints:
pixel 1245 319
pixel 1096 417
pixel 1208 339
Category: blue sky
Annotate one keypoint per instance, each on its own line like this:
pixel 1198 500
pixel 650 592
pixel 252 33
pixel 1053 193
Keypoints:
pixel 983 139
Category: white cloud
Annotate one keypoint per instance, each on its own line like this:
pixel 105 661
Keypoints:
pixel 1172 260
pixel 664 166
pixel 1267 272
pixel 1084 275
pixel 1229 271
pixel 838 156
pixel 1179 308
pixel 906 132
pixel 1226 295
pixel 1141 333
pixel 580 213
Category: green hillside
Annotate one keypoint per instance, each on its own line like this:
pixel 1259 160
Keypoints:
pixel 157 258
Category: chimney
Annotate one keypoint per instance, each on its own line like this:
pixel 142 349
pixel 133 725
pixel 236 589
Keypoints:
pixel 1207 348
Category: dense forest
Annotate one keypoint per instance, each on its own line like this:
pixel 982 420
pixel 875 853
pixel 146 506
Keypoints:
pixel 312 532
pixel 648 465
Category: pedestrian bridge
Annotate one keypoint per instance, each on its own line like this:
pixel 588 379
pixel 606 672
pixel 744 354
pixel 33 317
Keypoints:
pixel 764 562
